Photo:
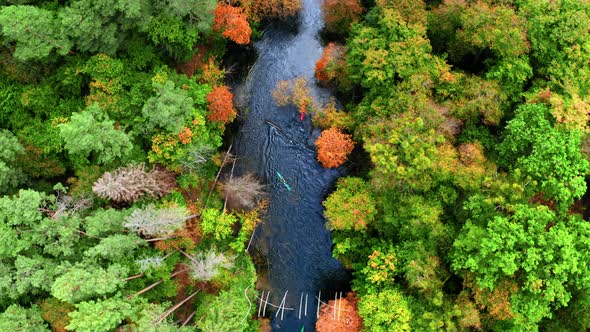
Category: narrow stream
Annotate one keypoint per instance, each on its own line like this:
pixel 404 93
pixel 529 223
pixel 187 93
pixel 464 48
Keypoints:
pixel 292 238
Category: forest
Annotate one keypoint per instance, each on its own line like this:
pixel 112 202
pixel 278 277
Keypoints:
pixel 462 127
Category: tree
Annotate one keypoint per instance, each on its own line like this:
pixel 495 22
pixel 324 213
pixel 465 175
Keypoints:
pixel 83 282
pixel 232 22
pixel 386 311
pixel 332 63
pixel 549 154
pixel 152 222
pixel 37 32
pixel 100 315
pixel 339 15
pixel 17 318
pixel 351 206
pixel 205 265
pixel 333 147
pixel 10 149
pixel 86 136
pixel 128 184
pixel 258 10
pixel 221 107
pixel 218 223
pixel 542 253
pixel 348 319
pixel 243 192
pixel 169 109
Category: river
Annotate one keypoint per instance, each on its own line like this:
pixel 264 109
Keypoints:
pixel 292 238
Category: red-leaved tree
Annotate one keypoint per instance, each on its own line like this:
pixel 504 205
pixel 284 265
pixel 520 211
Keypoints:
pixel 345 319
pixel 331 64
pixel 333 147
pixel 233 23
pixel 221 108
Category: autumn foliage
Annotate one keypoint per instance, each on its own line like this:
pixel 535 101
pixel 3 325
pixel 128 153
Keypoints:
pixel 340 14
pixel 221 108
pixel 331 64
pixel 296 92
pixel 346 317
pixel 333 147
pixel 233 23
pixel 257 10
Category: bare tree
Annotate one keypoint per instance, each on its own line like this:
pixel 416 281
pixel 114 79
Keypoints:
pixel 205 265
pixel 129 183
pixel 150 221
pixel 243 193
pixel 196 157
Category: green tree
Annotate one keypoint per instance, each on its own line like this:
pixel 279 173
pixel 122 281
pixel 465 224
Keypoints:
pixel 10 149
pixel 85 281
pixel 549 154
pixel 544 254
pixel 90 134
pixel 17 318
pixel 37 32
pixel 351 206
pixel 386 311
pixel 100 315
pixel 169 109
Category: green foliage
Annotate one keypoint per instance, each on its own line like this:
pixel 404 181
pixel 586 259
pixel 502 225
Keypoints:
pixel 103 222
pixel 545 254
pixel 230 310
pixel 87 136
pixel 101 315
pixel 115 247
pixel 169 110
pixel 10 150
pixel 386 311
pixel 17 318
pixel 558 32
pixel 549 154
pixel 217 223
pixel 351 206
pixel 37 32
pixel 18 213
pixel 82 282
pixel 174 35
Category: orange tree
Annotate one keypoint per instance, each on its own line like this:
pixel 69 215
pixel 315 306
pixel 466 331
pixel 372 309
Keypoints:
pixel 333 147
pixel 221 108
pixel 233 24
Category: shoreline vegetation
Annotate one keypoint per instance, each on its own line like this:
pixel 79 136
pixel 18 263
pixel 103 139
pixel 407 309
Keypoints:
pixel 464 125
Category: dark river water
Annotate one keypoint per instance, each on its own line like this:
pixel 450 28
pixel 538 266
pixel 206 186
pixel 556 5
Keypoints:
pixel 292 239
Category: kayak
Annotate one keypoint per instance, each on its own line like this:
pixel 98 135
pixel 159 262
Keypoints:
pixel 282 179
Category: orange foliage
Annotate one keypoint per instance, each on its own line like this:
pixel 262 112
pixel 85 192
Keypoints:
pixel 296 92
pixel 221 108
pixel 497 301
pixel 232 21
pixel 333 147
pixel 212 73
pixel 339 14
pixel 185 136
pixel 346 317
pixel 330 65
pixel 257 10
